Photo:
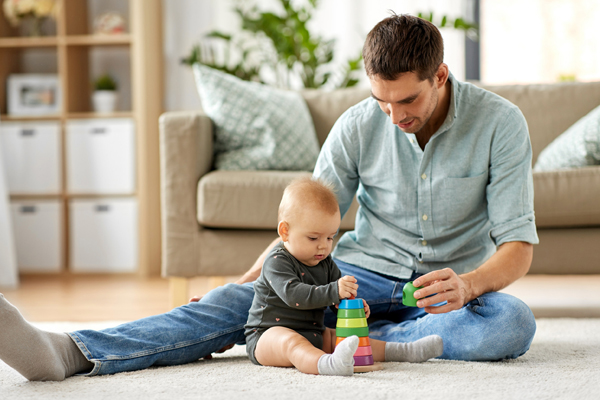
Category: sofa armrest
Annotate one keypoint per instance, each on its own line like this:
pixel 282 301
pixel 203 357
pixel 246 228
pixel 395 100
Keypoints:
pixel 186 153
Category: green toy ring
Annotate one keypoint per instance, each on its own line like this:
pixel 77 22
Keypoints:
pixel 408 294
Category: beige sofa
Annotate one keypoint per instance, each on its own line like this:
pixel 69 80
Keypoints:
pixel 216 223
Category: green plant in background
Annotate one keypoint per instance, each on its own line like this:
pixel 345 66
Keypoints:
pixel 283 43
pixel 296 48
pixel 567 78
pixel 205 53
pixel 105 82
pixel 471 30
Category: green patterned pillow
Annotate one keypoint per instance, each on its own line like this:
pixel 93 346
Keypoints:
pixel 256 126
pixel 578 146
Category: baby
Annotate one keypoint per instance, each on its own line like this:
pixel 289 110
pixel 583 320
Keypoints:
pixel 298 281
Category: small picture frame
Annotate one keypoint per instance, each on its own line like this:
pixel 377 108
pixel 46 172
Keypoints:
pixel 34 94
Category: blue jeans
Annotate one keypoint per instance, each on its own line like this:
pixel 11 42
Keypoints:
pixel 494 326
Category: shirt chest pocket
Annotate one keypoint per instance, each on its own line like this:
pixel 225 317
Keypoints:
pixel 462 198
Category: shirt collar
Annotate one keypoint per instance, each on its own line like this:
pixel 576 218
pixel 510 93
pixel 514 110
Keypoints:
pixel 453 109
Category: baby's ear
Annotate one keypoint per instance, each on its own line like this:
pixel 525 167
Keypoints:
pixel 283 230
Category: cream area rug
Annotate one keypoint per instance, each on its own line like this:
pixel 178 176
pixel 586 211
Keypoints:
pixel 563 363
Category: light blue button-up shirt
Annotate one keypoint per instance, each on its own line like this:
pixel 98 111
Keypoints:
pixel 450 205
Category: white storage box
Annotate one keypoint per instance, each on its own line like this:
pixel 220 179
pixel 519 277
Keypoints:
pixel 104 236
pixel 38 232
pixel 32 154
pixel 101 156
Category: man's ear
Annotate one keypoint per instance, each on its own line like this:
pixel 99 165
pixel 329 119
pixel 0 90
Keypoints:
pixel 283 230
pixel 442 75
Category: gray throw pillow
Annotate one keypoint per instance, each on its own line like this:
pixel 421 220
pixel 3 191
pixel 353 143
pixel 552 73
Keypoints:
pixel 257 127
pixel 578 146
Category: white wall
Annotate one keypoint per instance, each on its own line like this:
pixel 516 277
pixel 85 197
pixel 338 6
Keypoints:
pixel 186 21
pixel 524 41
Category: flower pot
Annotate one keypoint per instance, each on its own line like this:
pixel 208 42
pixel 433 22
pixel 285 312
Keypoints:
pixel 104 101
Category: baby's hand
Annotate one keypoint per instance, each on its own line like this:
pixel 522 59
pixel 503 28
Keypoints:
pixel 367 309
pixel 347 286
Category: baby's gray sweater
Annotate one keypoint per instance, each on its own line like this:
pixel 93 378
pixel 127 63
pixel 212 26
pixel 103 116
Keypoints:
pixel 291 294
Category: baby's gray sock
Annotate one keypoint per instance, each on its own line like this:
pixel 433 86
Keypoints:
pixel 36 354
pixel 419 351
pixel 341 362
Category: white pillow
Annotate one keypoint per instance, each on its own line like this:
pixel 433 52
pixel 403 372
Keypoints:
pixel 578 146
pixel 257 127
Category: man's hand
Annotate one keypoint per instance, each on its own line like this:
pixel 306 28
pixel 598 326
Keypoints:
pixel 347 286
pixel 195 299
pixel 224 349
pixel 449 287
pixel 367 309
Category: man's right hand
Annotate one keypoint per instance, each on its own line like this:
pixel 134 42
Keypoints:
pixel 224 349
pixel 195 299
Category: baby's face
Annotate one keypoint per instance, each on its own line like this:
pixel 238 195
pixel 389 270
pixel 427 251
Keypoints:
pixel 310 235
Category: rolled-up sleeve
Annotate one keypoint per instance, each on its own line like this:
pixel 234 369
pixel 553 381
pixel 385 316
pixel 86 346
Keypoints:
pixel 510 188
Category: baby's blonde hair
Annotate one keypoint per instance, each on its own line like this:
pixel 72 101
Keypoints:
pixel 306 192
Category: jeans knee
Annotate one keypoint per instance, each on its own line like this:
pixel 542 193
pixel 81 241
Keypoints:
pixel 230 295
pixel 525 322
pixel 518 324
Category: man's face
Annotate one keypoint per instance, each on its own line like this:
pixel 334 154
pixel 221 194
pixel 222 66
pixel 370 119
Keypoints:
pixel 408 101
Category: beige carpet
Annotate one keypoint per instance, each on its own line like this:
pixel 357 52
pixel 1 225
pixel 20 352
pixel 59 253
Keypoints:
pixel 563 363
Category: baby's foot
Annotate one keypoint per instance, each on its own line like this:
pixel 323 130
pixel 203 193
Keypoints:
pixel 341 362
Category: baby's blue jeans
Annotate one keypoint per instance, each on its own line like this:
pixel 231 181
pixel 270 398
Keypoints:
pixel 494 326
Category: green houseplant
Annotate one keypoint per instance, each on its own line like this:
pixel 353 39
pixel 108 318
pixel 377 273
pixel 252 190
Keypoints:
pixel 104 98
pixel 282 44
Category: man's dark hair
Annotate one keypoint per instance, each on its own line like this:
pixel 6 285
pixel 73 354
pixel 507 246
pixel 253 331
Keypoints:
pixel 403 43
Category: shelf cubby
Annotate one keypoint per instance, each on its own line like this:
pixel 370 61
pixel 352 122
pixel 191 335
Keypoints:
pixel 70 49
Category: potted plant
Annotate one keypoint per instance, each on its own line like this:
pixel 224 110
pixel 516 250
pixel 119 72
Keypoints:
pixel 32 12
pixel 104 97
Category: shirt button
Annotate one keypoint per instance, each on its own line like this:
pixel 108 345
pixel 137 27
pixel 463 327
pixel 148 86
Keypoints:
pixel 411 140
pixel 424 217
pixel 424 176
pixel 424 242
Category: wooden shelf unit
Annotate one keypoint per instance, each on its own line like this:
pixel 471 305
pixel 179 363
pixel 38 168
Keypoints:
pixel 23 42
pixel 99 40
pixel 71 44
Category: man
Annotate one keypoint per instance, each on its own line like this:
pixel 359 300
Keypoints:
pixel 446 199
pixel 439 188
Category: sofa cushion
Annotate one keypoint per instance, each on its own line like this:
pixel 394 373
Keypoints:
pixel 257 127
pixel 567 198
pixel 578 146
pixel 248 199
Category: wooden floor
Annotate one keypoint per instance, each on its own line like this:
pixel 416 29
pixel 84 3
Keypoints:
pixel 125 298
pixel 95 298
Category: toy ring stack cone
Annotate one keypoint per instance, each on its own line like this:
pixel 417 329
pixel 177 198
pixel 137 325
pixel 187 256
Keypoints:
pixel 352 321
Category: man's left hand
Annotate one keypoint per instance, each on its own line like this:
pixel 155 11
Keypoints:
pixel 449 287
